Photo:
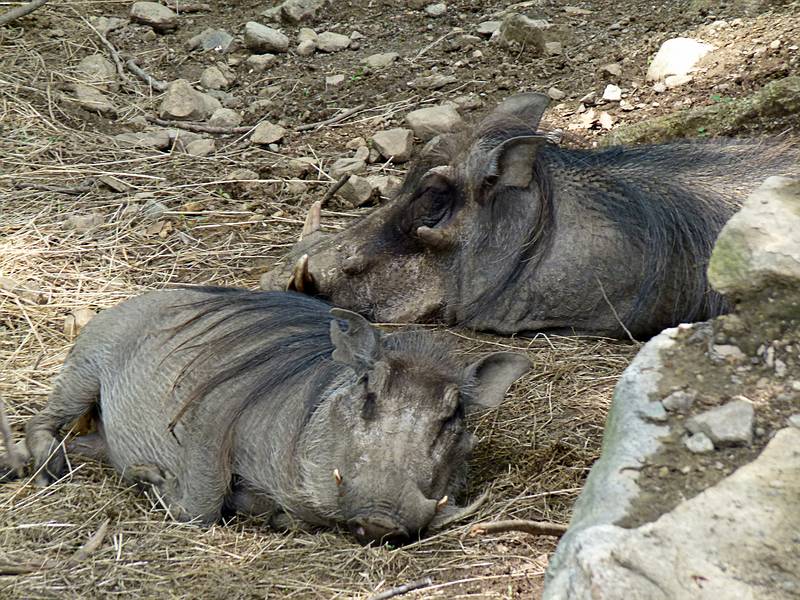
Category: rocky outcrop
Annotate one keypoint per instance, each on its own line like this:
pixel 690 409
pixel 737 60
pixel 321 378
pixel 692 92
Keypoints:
pixel 695 494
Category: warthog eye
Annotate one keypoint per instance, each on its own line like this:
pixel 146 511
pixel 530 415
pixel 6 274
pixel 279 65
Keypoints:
pixel 431 209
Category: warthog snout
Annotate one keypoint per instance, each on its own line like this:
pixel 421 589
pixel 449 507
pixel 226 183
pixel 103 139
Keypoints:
pixel 378 530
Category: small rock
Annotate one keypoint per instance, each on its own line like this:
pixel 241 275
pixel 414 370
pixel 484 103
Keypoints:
pixel 673 81
pixel 699 443
pixel 431 121
pixel 213 78
pixel 334 80
pixel 794 420
pixel 260 62
pixel 300 167
pixel 357 190
pixel 260 38
pixel 356 35
pixel 327 41
pixel 347 165
pixel 659 87
pixel 98 71
pixel 387 185
pixel 395 144
pixel 306 47
pixel 606 120
pixel 84 223
pixel 294 11
pixel 355 143
pixel 379 61
pixel 519 29
pixel 487 28
pixel 625 105
pixel 183 102
pixel 91 99
pixel 77 320
pixel 589 99
pixel 553 48
pixel 432 82
pixel 267 133
pixel 307 33
pixel 729 353
pixel 158 139
pixel 679 401
pixel 727 425
pixel 556 94
pixel 677 56
pixel 156 15
pixel 106 25
pixel 201 147
pixel 612 93
pixel 436 10
pixel 468 102
pixel 225 117
pixel 211 39
pixel 361 153
pixel 613 69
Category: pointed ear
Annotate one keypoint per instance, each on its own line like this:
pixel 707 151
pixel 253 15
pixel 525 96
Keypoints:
pixel 528 107
pixel 358 345
pixel 513 160
pixel 493 375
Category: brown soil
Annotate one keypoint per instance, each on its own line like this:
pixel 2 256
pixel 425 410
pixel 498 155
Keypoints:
pixel 534 452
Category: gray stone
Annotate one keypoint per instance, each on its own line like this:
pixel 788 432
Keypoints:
pixel 612 93
pixel 379 61
pixel 306 48
pixel 729 353
pixel 576 11
pixel 300 167
pixel 760 245
pixel 260 38
pixel 487 28
pixel 156 15
pixel 387 185
pixel 334 80
pixel 679 401
pixel 362 153
pixel 794 420
pixel 211 39
pixel 91 99
pixel 158 139
pixel 394 143
pixel 295 11
pixel 519 29
pixel 436 10
pixel 677 56
pixel 106 25
pixel 728 425
pixel 85 223
pixel 213 78
pixel 267 133
pixel 555 94
pixel 613 69
pixel 328 41
pixel 347 165
pixel 225 117
pixel 98 71
pixel 699 443
pixel 553 48
pixel 432 82
pixel 431 121
pixel 260 62
pixel 183 102
pixel 356 190
pixel 201 147
pixel 737 539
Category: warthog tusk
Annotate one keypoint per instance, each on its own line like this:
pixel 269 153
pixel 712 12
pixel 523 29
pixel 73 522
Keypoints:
pixel 436 238
pixel 441 504
pixel 301 278
pixel 337 477
pixel 313 220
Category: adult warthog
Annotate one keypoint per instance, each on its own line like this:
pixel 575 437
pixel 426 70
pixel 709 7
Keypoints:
pixel 266 403
pixel 508 232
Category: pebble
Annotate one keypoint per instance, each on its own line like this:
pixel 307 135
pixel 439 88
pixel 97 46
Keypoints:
pixel 553 48
pixel 307 34
pixel 431 121
pixel 362 153
pixel 729 353
pixel 432 82
pixel 98 71
pixel 487 28
pixel 306 47
pixel 327 41
pixel 699 443
pixel 183 102
pixel 211 39
pixel 379 61
pixel 334 80
pixel 156 15
pixel 613 69
pixel 213 78
pixel 92 99
pixel 395 144
pixel 612 93
pixel 260 62
pixel 556 94
pixel 201 147
pixel 727 425
pixel 679 401
pixel 436 10
pixel 519 29
pixel 357 190
pixel 387 185
pixel 267 133
pixel 157 140
pixel 347 165
pixel 294 11
pixel 355 143
pixel 225 117
pixel 260 38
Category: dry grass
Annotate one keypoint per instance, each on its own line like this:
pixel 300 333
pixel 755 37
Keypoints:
pixel 534 452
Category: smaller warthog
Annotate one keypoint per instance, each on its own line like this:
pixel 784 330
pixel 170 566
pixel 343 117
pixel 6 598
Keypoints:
pixel 271 403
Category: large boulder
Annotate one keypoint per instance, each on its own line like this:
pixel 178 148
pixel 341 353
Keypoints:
pixel 695 493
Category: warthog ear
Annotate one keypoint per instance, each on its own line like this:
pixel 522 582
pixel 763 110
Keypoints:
pixel 493 375
pixel 512 161
pixel 528 107
pixel 359 344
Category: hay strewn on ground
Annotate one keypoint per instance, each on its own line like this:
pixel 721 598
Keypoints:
pixel 533 455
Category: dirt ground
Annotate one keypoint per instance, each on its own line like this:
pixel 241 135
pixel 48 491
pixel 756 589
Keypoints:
pixel 60 168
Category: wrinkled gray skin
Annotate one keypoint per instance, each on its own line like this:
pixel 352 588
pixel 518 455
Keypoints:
pixel 368 432
pixel 508 232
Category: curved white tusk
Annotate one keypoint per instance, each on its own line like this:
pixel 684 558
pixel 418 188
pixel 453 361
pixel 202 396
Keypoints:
pixel 300 275
pixel 337 477
pixel 441 504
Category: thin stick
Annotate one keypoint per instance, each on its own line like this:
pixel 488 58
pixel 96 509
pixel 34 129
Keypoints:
pixel 91 545
pixel 21 11
pixel 113 51
pixel 154 83
pixel 335 188
pixel 403 589
pixel 614 310
pixel 5 429
pixel 340 117
pixel 531 527
pixel 200 127
pixel 72 191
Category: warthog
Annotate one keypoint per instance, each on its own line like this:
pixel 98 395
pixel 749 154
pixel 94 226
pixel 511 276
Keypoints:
pixel 509 232
pixel 271 403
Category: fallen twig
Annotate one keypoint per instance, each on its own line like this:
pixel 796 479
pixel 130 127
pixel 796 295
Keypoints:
pixel 20 11
pixel 76 190
pixel 200 127
pixel 340 117
pixel 15 461
pixel 91 545
pixel 403 589
pixel 614 310
pixel 531 527
pixel 154 83
pixel 113 52
pixel 335 188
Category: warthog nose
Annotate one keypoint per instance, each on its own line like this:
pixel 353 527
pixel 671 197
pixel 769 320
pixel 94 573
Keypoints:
pixel 379 530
